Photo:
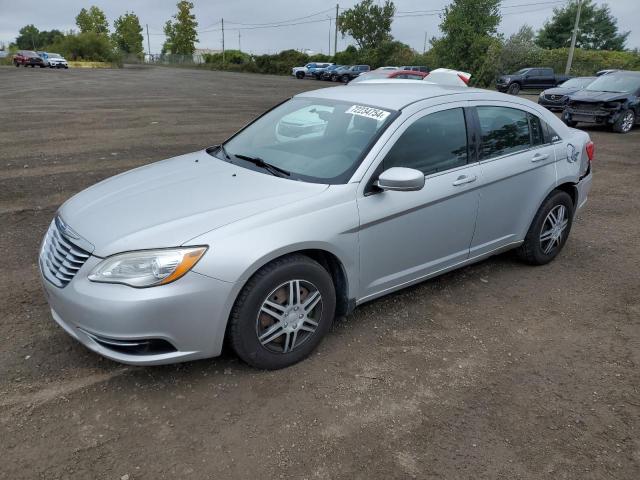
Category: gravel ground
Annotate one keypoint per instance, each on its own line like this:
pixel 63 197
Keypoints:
pixel 498 370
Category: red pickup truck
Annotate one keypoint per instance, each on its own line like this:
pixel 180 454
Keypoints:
pixel 28 58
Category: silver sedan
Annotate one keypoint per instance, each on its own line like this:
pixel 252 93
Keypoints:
pixel 330 200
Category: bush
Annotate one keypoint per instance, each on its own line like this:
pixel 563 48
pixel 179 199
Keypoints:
pixel 85 46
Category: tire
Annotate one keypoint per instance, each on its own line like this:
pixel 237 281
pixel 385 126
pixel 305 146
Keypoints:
pixel 535 250
pixel 344 79
pixel 334 78
pixel 513 89
pixel 299 75
pixel 272 283
pixel 625 122
pixel 16 64
pixel 569 123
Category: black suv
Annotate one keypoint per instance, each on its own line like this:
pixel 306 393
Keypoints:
pixel 612 99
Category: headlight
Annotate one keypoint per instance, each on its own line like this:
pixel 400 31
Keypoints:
pixel 147 268
pixel 541 94
pixel 507 79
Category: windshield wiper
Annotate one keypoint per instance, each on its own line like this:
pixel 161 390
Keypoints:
pixel 277 171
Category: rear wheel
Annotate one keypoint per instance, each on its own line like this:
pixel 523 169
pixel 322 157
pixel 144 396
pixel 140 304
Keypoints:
pixel 282 313
pixel 549 230
pixel 625 122
pixel 334 78
pixel 513 89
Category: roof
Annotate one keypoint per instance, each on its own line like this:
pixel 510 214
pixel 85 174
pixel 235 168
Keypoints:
pixel 391 96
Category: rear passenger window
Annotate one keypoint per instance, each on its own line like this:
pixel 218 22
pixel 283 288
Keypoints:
pixel 433 143
pixel 504 130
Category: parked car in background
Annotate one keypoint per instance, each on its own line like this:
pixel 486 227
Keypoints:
pixel 356 70
pixel 265 239
pixel 389 74
pixel 308 69
pixel 325 73
pixel 387 68
pixel 447 76
pixel 334 75
pixel 537 78
pixel 612 99
pixel 27 58
pixel 53 60
pixel 557 98
pixel 415 68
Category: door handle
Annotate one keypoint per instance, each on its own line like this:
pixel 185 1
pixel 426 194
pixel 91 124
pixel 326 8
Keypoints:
pixel 462 179
pixel 538 157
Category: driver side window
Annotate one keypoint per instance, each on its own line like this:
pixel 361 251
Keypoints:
pixel 433 143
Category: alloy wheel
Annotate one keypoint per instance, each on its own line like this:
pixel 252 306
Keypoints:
pixel 289 316
pixel 553 229
pixel 627 122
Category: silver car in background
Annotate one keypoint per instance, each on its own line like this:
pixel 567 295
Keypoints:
pixel 331 199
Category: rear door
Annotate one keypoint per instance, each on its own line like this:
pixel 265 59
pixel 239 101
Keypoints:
pixel 518 169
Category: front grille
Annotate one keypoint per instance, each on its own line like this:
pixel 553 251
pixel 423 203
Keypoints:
pixel 555 98
pixel 60 259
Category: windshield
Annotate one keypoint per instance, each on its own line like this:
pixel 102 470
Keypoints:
pixel 615 83
pixel 54 55
pixel 315 140
pixel 522 71
pixel 577 82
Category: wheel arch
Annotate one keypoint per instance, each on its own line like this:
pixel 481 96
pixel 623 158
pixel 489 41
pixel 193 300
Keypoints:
pixel 329 260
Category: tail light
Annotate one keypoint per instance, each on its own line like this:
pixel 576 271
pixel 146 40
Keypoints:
pixel 591 150
pixel 464 78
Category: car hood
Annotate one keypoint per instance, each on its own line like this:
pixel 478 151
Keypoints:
pixel 594 96
pixel 167 203
pixel 561 91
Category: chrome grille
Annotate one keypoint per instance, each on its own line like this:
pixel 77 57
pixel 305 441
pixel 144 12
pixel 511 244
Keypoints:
pixel 60 259
pixel 555 98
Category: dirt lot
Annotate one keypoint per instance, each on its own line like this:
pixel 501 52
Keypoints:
pixel 498 370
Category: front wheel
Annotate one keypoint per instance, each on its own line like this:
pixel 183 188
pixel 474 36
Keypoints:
pixel 513 89
pixel 549 230
pixel 625 122
pixel 345 79
pixel 282 313
pixel 299 75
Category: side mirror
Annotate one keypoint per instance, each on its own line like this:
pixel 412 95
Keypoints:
pixel 401 179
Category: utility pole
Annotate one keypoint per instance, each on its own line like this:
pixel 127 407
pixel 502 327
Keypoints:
pixel 424 49
pixel 329 51
pixel 148 43
pixel 573 39
pixel 223 42
pixel 239 44
pixel 335 38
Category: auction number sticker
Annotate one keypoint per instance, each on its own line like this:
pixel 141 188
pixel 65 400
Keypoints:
pixel 368 112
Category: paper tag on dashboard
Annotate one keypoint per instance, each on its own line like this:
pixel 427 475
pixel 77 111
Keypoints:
pixel 368 112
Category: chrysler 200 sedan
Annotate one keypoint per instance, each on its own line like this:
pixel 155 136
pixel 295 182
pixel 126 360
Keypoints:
pixel 329 200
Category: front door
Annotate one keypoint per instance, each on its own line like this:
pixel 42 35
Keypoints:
pixel 406 236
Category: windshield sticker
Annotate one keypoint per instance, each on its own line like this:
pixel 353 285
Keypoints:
pixel 368 112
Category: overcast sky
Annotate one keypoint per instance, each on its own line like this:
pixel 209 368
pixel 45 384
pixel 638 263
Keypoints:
pixel 311 32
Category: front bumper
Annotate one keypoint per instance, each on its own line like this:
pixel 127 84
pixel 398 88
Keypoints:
pixel 598 116
pixel 552 105
pixel 189 316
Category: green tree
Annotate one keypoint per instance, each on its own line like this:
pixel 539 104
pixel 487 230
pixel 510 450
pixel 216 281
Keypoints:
pixel 469 30
pixel 598 29
pixel 181 32
pixel 28 38
pixel 128 34
pixel 92 20
pixel 368 24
